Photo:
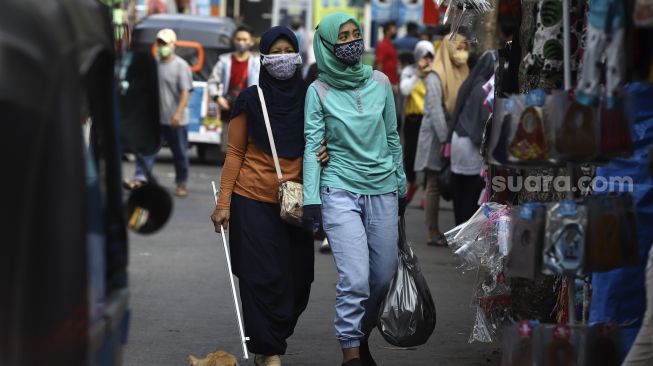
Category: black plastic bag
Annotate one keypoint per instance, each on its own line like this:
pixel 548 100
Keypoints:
pixel 407 316
pixel 444 181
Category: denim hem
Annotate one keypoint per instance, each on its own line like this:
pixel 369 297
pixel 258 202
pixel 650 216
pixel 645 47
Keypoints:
pixel 350 343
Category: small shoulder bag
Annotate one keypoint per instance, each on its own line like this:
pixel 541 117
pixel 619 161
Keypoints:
pixel 291 194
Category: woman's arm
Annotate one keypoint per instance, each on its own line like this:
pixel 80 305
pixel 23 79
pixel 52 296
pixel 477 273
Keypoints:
pixel 433 108
pixel 234 160
pixel 314 132
pixel 390 118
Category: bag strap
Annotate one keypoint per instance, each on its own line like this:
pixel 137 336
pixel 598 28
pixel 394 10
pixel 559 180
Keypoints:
pixel 264 108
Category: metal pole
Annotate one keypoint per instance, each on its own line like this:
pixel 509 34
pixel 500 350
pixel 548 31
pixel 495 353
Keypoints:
pixel 566 43
pixel 566 29
pixel 243 338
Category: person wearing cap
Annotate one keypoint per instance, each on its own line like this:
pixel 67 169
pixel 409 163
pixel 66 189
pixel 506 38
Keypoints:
pixel 175 84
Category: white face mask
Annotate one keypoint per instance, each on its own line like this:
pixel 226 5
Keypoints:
pixel 281 66
pixel 460 58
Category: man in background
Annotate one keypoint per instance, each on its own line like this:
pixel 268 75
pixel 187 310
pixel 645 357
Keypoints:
pixel 406 44
pixel 233 73
pixel 175 84
pixel 386 54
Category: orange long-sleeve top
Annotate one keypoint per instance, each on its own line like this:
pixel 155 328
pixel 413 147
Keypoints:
pixel 248 171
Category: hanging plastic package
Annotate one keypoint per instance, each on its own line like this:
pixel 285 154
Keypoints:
pixel 602 346
pixel 566 229
pixel 616 140
pixel 529 142
pixel 462 13
pixel 407 317
pixel 576 137
pixel 526 240
pixel 556 345
pixel 611 241
pixel 518 344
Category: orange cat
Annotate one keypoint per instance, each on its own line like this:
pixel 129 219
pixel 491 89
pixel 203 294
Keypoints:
pixel 219 358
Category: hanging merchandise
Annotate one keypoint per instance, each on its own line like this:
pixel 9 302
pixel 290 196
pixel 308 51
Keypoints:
pixel 407 316
pixel 643 14
pixel 616 140
pixel 529 139
pixel 526 240
pixel 605 40
pixel 462 13
pixel 543 64
pixel 612 234
pixel 576 138
pixel 602 346
pixel 482 245
pixel 556 345
pixel 518 344
pixel 566 229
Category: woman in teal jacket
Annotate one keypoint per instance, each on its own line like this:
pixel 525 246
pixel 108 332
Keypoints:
pixel 360 193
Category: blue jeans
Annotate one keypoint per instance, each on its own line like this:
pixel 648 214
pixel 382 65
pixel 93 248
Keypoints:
pixel 177 139
pixel 363 232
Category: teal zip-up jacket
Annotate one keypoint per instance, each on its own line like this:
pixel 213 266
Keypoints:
pixel 360 127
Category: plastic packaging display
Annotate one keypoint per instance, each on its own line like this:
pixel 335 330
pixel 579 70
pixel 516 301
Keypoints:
pixel 611 240
pixel 482 245
pixel 407 317
pixel 530 343
pixel 566 231
pixel 461 13
pixel 518 344
pixel 526 240
pixel 557 345
pixel 523 129
pixel 616 139
pixel 576 138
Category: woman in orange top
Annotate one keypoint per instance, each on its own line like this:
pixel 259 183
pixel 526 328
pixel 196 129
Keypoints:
pixel 272 259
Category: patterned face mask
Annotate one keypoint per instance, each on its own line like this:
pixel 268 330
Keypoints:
pixel 281 66
pixel 350 53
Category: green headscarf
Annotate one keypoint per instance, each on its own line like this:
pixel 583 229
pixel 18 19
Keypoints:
pixel 331 70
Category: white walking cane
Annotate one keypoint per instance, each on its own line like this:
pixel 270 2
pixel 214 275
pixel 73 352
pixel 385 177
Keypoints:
pixel 243 339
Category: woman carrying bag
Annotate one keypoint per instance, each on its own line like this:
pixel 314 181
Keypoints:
pixel 469 120
pixel 360 193
pixel 444 78
pixel 272 258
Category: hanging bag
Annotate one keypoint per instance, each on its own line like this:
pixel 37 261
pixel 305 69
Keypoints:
pixel 407 316
pixel 291 194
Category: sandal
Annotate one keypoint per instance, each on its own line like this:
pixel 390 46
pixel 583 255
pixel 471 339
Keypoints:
pixel 438 241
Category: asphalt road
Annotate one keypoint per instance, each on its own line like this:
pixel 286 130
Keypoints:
pixel 181 300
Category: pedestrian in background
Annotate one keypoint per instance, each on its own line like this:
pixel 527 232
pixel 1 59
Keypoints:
pixel 448 72
pixel 386 59
pixel 360 193
pixel 274 260
pixel 468 125
pixel 175 84
pixel 413 90
pixel 233 72
pixel 407 43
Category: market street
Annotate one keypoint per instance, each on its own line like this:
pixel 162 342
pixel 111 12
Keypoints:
pixel 181 302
